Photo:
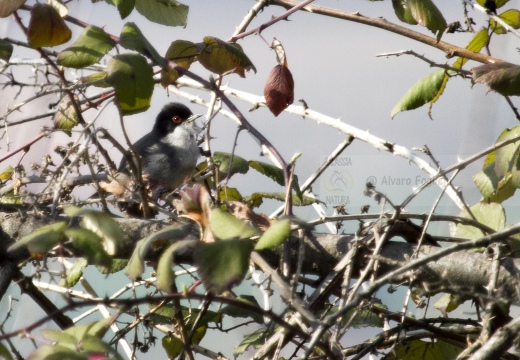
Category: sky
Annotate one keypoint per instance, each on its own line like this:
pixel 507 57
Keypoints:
pixel 336 71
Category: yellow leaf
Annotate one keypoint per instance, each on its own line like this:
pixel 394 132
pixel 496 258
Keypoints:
pixel 46 27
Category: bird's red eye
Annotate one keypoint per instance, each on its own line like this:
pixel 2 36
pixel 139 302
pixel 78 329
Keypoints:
pixel 176 119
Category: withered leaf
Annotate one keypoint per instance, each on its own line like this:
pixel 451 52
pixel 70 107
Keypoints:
pixel 46 27
pixel 279 89
pixel 66 117
pixel 221 57
pixel 504 78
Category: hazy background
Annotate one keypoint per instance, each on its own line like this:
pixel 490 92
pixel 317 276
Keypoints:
pixel 336 72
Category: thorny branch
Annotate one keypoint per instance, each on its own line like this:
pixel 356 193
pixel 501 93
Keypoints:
pixel 363 261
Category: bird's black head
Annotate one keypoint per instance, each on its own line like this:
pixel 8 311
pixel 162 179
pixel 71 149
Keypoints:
pixel 171 115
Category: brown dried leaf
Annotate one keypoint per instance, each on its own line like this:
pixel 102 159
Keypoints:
pixel 279 89
pixel 17 184
pixel 7 7
pixel 195 201
pixel 504 77
pixel 243 212
pixel 119 187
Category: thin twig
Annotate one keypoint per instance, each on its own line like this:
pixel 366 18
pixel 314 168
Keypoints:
pixel 449 49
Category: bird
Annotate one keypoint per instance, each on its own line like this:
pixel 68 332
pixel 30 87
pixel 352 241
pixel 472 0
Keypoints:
pixel 169 152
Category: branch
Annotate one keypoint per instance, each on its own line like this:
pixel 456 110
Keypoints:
pixel 43 133
pixel 181 296
pixel 273 21
pixel 464 73
pixel 496 18
pixel 349 130
pixel 267 148
pixel 456 269
pixel 449 49
pixel 501 341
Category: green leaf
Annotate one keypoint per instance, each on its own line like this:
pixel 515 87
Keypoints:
pixel 166 315
pixel 476 44
pixel 222 57
pixel 498 3
pixel 504 78
pixel 40 241
pixel 156 240
pixel 511 17
pixel 115 266
pixel 276 174
pixel 361 318
pixel 84 340
pixel 6 50
pixel 97 79
pixel 172 346
pixel 223 161
pixel 125 7
pixel 403 12
pixel 90 245
pixel 424 350
pixel 165 275
pixel 4 353
pixel 10 198
pixel 102 225
pixel 230 194
pixel 65 117
pixel 132 79
pixel 506 134
pixel 506 156
pixel 133 39
pixel 46 27
pixel 166 12
pixel 182 53
pixel 91 46
pixel 74 273
pixel 236 311
pixel 422 92
pixel 447 303
pixel 491 215
pixel 500 176
pixel 275 235
pixel 7 7
pixel 492 187
pixel 222 264
pixel 59 336
pixel 256 339
pixel 93 345
pixel 96 328
pixel 227 227
pixel 427 14
pixel 440 91
pixel 6 173
pixel 51 352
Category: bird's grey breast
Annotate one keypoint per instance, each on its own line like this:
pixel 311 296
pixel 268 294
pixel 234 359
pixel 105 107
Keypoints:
pixel 173 158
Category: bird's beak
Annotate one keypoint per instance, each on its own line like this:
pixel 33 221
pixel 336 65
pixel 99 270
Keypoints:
pixel 193 117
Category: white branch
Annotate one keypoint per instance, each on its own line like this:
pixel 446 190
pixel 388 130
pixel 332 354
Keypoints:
pixel 339 125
